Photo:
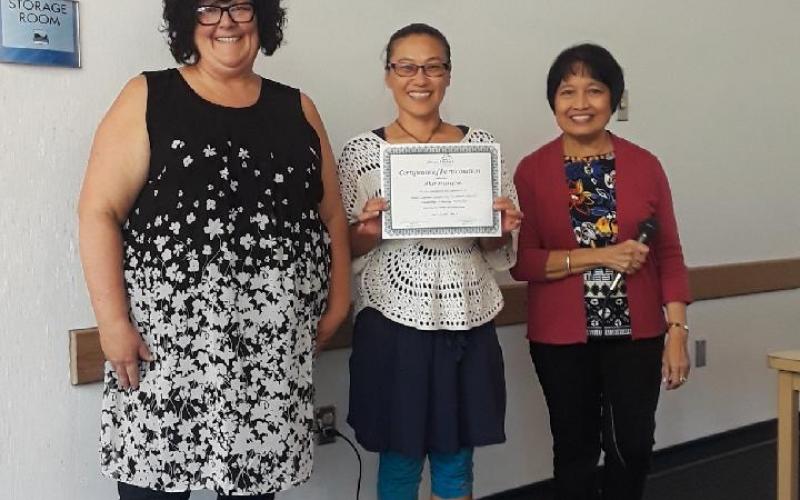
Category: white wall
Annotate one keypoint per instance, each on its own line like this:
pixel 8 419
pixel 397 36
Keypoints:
pixel 713 93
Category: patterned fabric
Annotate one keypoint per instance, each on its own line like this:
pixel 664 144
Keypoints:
pixel 428 284
pixel 593 211
pixel 226 265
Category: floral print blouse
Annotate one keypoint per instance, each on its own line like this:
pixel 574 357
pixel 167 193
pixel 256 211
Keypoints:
pixel 593 212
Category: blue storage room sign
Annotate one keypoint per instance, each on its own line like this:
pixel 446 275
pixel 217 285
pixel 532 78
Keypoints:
pixel 40 32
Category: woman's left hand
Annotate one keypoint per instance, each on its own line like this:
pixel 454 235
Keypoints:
pixel 675 361
pixel 510 216
pixel 326 328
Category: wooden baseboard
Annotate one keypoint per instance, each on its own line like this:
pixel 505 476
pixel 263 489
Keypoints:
pixel 707 283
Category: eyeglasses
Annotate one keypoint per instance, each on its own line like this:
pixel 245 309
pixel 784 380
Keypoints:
pixel 209 15
pixel 410 69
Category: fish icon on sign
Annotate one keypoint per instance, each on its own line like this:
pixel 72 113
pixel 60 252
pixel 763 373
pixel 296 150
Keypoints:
pixel 40 37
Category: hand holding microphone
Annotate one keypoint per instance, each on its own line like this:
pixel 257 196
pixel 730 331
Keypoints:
pixel 633 253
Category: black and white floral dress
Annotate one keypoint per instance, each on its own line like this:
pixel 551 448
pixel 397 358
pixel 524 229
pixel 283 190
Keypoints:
pixel 226 264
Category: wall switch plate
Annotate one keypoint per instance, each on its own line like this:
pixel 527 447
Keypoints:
pixel 699 353
pixel 622 109
pixel 325 424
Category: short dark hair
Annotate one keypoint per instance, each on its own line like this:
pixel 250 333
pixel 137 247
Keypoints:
pixel 417 29
pixel 180 23
pixel 596 61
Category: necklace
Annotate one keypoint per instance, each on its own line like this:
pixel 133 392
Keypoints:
pixel 438 125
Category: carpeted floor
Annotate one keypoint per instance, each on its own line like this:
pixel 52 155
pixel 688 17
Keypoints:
pixel 744 474
pixel 739 465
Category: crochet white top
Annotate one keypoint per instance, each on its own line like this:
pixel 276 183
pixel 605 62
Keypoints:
pixel 427 284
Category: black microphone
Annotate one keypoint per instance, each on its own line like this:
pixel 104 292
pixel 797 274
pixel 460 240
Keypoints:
pixel 647 228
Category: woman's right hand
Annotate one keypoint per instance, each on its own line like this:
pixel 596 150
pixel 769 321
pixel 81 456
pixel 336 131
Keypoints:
pixel 369 220
pixel 124 348
pixel 626 257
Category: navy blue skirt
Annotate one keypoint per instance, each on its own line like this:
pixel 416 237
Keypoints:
pixel 415 391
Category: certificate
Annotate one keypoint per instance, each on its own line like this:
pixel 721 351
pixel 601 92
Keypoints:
pixel 440 190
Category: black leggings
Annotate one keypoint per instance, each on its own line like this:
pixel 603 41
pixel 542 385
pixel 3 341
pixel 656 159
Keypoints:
pixel 601 395
pixel 130 492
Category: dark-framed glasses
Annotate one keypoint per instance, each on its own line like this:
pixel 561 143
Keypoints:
pixel 410 69
pixel 209 15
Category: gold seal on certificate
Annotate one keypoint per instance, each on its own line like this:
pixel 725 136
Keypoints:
pixel 440 190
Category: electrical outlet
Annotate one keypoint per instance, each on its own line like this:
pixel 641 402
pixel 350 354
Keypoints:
pixel 325 424
pixel 700 353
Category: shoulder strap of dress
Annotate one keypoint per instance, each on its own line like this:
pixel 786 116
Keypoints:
pixel 158 78
pixel 276 96
pixel 282 102
pixel 162 97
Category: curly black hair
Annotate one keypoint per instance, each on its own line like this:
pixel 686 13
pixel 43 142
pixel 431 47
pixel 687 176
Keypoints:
pixel 180 22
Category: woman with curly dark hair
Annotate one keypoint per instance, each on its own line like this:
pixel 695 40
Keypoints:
pixel 215 250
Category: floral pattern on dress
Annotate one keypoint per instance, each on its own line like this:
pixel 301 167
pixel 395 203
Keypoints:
pixel 226 264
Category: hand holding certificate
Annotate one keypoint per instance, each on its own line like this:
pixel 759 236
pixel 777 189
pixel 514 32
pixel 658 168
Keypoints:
pixel 441 190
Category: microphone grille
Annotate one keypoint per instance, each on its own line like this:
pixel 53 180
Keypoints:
pixel 648 227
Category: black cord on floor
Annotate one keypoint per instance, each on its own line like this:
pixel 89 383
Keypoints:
pixel 358 455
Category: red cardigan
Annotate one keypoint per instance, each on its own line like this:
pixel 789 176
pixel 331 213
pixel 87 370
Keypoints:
pixel 556 310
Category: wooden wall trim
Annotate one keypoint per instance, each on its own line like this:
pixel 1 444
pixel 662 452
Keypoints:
pixel 515 311
pixel 85 356
pixel 707 283
pixel 730 280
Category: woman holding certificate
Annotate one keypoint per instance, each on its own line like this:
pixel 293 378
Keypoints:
pixel 606 283
pixel 426 371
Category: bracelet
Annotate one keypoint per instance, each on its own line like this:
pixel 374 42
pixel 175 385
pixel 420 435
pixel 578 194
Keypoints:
pixel 682 326
pixel 569 267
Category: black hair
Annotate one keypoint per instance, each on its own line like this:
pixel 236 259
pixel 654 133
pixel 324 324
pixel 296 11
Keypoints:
pixel 180 22
pixel 417 29
pixel 594 60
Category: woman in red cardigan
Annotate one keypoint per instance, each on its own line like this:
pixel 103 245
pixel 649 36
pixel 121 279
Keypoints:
pixel 599 350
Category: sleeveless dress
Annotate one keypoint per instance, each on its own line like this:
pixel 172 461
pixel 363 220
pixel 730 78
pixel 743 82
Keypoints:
pixel 226 265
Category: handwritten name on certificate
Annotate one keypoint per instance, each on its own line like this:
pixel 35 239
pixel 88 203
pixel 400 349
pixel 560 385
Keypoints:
pixel 440 190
